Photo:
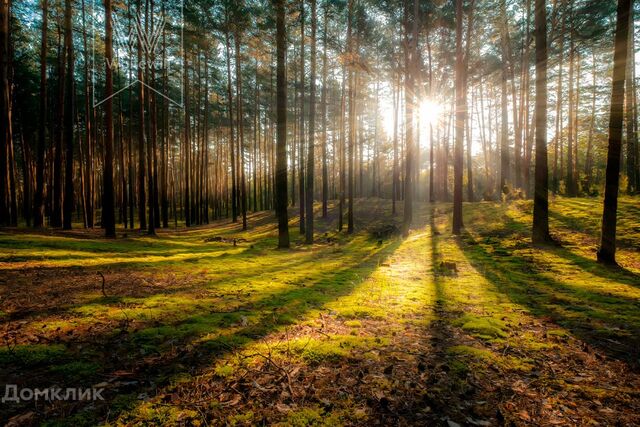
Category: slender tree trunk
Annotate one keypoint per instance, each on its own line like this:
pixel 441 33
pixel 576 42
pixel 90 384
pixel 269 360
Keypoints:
pixel 240 123
pixel 557 146
pixel 607 251
pixel 301 142
pixel 5 111
pixel 411 46
pixel 465 87
pixel 38 202
pixel 164 158
pixel 632 139
pixel 571 189
pixel 343 137
pixel 232 157
pixel 281 112
pixel 88 112
pixel 540 232
pixel 352 118
pixel 187 144
pixel 504 130
pixel 142 216
pixel 68 119
pixel 56 214
pixel 461 112
pixel 588 165
pixel 323 102
pixel 108 214
pixel 312 129
pixel 396 168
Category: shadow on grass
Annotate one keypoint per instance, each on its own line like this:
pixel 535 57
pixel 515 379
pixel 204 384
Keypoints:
pixel 590 265
pixel 607 322
pixel 163 348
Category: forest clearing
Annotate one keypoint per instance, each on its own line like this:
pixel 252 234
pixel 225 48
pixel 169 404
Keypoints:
pixel 319 213
pixel 481 329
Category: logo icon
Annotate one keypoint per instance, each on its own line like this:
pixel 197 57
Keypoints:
pixel 137 46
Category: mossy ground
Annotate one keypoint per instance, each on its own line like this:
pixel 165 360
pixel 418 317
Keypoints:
pixel 480 328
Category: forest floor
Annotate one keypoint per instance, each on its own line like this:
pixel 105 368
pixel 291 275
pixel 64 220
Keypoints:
pixel 195 328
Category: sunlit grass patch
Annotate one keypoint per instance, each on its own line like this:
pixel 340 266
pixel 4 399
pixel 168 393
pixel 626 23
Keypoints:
pixel 147 413
pixel 483 327
pixel 311 416
pixel 484 356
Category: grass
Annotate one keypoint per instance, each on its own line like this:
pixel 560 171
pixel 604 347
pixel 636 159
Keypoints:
pixel 186 315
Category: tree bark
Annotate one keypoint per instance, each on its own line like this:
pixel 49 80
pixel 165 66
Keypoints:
pixel 540 231
pixel 68 119
pixel 281 112
pixel 38 201
pixel 312 129
pixel 108 214
pixel 607 251
pixel 461 112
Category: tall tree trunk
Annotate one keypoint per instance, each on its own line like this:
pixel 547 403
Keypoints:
pixel 68 119
pixel 56 213
pixel 343 136
pixel 88 112
pixel 588 165
pixel 151 125
pixel 108 214
pixel 504 125
pixel 461 112
pixel 312 129
pixel 186 143
pixel 465 87
pixel 607 251
pixel 540 231
pixel 38 201
pixel 232 150
pixel 142 199
pixel 240 123
pixel 5 112
pixel 571 190
pixel 632 139
pixel 352 117
pixel 281 112
pixel 557 146
pixel 301 142
pixel 323 102
pixel 396 168
pixel 164 148
pixel 411 46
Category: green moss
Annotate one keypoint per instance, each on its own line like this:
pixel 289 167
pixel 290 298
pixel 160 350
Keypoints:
pixel 148 413
pixel 330 349
pixel 244 419
pixel 478 353
pixel 77 370
pixel 353 323
pixel 30 355
pixel 224 371
pixel 308 417
pixel 484 327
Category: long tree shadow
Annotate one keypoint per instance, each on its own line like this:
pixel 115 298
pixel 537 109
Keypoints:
pixel 163 348
pixel 573 223
pixel 450 382
pixel 619 273
pixel 609 323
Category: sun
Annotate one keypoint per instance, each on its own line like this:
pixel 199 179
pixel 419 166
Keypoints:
pixel 430 112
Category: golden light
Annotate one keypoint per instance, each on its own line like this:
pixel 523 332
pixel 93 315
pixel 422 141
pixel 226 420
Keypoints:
pixel 430 112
